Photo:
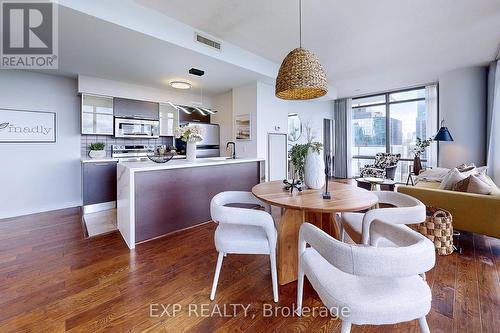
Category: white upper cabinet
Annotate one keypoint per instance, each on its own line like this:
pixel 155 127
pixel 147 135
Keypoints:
pixel 169 119
pixel 97 115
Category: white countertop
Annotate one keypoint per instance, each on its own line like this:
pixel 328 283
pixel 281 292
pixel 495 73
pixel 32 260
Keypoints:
pixel 111 159
pixel 98 160
pixel 176 164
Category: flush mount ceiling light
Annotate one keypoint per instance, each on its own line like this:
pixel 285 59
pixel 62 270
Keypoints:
pixel 180 85
pixel 301 75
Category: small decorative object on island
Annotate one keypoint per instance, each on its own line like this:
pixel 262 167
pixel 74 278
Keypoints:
pixel 161 155
pixel 190 135
pixel 97 150
pixel 307 161
pixel 418 150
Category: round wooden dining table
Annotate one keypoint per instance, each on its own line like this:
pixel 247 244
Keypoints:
pixel 308 206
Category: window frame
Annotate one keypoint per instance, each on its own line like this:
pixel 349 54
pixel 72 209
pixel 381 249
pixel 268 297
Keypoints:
pixel 388 128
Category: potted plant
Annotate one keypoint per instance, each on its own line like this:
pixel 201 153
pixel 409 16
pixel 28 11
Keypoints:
pixel 307 161
pixel 97 150
pixel 418 150
pixel 190 134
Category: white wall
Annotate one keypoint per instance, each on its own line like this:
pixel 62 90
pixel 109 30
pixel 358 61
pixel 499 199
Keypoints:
pixel 269 114
pixel 245 102
pixel 98 86
pixel 312 113
pixel 223 104
pixel 39 177
pixel 462 104
pixel 272 116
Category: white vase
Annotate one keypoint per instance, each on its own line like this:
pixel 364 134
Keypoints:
pixel 314 170
pixel 191 151
pixel 97 154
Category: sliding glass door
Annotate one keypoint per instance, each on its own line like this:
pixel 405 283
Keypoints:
pixel 391 122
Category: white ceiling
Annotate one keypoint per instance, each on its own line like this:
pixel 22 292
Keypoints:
pixel 365 46
pixel 94 47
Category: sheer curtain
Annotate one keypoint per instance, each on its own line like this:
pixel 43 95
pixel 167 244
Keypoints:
pixel 493 122
pixel 343 119
pixel 431 103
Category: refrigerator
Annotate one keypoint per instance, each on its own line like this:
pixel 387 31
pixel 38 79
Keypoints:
pixel 209 146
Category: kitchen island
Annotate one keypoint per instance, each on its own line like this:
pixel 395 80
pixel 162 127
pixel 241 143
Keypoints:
pixel 158 199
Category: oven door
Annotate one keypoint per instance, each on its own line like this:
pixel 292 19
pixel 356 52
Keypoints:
pixel 135 128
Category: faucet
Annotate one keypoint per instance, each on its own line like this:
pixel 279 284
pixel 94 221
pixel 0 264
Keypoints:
pixel 234 149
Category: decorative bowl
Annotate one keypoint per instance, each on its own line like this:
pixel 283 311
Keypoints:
pixel 161 158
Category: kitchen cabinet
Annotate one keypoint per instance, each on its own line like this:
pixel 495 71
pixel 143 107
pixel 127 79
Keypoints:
pixel 99 182
pixel 97 115
pixel 169 120
pixel 131 108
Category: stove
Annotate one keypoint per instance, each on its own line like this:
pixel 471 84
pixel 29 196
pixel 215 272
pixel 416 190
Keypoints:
pixel 133 152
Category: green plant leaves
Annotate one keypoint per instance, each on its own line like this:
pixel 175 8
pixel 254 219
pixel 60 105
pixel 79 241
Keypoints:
pixel 298 155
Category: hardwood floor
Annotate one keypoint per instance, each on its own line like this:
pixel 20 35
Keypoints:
pixel 54 280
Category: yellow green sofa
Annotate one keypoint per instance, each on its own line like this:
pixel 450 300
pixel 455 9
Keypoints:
pixel 471 212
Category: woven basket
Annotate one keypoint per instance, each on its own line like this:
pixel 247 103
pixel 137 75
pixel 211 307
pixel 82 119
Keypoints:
pixel 301 76
pixel 438 228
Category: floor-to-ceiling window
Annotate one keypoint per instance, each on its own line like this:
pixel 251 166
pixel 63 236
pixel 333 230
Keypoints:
pixel 391 122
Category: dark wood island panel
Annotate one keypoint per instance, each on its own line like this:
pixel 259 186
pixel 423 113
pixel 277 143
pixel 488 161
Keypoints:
pixel 174 199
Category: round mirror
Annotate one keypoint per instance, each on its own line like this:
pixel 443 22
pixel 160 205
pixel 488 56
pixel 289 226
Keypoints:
pixel 294 127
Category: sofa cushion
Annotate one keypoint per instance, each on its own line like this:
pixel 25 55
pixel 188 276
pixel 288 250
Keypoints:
pixel 432 175
pixel 429 185
pixel 473 184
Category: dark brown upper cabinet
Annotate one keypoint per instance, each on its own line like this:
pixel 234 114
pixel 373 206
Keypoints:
pixel 131 108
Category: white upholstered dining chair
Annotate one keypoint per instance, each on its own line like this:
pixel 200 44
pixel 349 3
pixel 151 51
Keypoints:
pixel 407 210
pixel 243 231
pixel 378 284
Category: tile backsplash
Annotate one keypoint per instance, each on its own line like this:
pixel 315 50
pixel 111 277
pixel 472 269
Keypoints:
pixel 86 140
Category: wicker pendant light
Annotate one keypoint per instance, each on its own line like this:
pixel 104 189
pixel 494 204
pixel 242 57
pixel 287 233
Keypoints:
pixel 301 75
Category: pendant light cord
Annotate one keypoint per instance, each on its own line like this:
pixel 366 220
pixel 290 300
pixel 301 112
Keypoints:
pixel 300 23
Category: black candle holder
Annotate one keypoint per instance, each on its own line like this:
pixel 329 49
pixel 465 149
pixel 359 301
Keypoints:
pixel 294 184
pixel 326 194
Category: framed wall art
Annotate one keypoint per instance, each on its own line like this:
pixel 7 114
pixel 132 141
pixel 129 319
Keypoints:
pixel 27 126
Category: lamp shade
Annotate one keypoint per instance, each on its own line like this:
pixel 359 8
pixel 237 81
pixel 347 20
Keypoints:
pixel 301 76
pixel 443 135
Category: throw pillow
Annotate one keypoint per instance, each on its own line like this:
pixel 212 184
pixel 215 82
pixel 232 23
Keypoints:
pixel 483 169
pixel 453 177
pixel 476 185
pixel 462 185
pixel 473 184
pixel 465 167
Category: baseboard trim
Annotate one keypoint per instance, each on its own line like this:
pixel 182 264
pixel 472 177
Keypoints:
pixel 43 209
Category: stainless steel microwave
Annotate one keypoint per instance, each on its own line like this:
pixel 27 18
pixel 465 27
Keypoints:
pixel 137 128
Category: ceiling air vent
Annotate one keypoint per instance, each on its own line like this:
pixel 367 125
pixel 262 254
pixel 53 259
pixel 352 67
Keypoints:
pixel 207 41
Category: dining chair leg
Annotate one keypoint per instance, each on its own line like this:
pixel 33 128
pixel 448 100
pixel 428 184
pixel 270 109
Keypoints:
pixel 274 275
pixel 423 325
pixel 342 232
pixel 300 290
pixel 216 276
pixel 346 326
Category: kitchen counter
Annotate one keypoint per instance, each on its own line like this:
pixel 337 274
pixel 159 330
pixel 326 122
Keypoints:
pixel 155 199
pixel 112 159
pixel 176 164
pixel 98 160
